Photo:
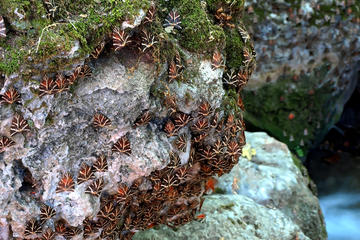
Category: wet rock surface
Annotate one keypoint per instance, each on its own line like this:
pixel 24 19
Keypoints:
pixel 232 217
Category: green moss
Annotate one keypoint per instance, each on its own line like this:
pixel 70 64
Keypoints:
pixel 198 33
pixel 49 120
pixel 229 102
pixel 50 43
pixel 323 229
pixel 219 191
pixel 31 123
pixel 234 49
pixel 297 162
pixel 31 9
pixel 43 37
pixel 12 60
pixel 213 5
pixel 228 206
pixel 156 92
pixel 269 107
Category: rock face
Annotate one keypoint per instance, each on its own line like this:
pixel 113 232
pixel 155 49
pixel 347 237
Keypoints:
pixel 68 139
pixel 130 145
pixel 276 178
pixel 267 197
pixel 307 62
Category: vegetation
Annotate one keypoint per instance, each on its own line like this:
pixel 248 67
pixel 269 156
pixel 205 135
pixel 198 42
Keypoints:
pixel 45 33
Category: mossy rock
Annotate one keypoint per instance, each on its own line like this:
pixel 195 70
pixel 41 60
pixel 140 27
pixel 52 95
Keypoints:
pixel 40 33
pixel 47 38
pixel 294 109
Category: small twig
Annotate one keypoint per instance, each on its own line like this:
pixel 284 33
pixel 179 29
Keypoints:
pixel 72 24
pixel 42 32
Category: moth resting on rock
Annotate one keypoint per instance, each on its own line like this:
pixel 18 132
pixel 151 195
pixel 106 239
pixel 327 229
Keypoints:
pixel 2 28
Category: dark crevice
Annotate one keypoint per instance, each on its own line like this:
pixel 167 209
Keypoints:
pixel 335 163
pixel 28 182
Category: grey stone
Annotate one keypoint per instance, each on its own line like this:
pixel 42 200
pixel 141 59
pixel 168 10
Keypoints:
pixel 274 178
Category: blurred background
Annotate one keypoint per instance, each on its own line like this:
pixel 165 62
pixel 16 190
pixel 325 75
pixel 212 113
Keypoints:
pixel 306 93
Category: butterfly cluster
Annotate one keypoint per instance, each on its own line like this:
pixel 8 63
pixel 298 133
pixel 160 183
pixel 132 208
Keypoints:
pixel 85 174
pixel 211 138
pixel 34 226
pixel 144 40
pixel 175 195
pixel 224 17
pixel 61 83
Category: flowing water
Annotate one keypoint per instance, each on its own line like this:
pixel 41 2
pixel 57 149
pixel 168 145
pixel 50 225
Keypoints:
pixel 338 185
pixel 335 168
pixel 342 215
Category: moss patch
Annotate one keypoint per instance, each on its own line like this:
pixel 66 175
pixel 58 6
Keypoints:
pixel 12 61
pixel 237 5
pixel 46 33
pixel 198 33
pixel 297 162
pixel 234 49
pixel 229 103
pixel 294 111
pixel 219 191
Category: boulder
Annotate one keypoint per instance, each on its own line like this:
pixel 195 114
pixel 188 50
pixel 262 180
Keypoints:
pixel 95 97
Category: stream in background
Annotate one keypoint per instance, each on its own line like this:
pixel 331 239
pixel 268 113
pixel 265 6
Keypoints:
pixel 342 215
pixel 339 194
pixel 335 168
